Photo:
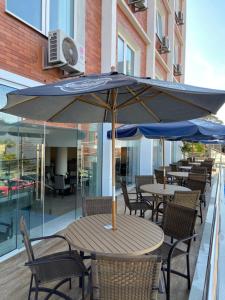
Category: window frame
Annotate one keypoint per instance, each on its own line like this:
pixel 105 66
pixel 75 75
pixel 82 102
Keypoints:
pixel 45 18
pixel 159 17
pixel 126 45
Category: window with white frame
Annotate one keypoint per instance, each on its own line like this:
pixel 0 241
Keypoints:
pixel 125 57
pixel 176 54
pixel 159 25
pixel 46 14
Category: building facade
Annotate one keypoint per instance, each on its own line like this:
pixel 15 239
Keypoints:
pixel 47 168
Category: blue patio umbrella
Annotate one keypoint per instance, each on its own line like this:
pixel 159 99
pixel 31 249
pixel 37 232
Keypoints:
pixel 197 129
pixel 113 98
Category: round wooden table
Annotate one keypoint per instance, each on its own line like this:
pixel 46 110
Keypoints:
pixel 195 163
pixel 134 235
pixel 158 189
pixel 179 174
pixel 186 168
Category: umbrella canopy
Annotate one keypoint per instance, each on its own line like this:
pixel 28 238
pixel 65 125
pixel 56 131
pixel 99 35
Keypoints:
pixel 138 100
pixel 113 98
pixel 197 129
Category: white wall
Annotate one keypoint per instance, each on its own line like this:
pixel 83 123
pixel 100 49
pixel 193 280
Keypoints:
pixel 146 156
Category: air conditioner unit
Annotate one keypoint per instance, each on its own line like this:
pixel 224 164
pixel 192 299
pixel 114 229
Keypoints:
pixel 179 16
pixel 64 53
pixel 139 5
pixel 177 70
pixel 165 45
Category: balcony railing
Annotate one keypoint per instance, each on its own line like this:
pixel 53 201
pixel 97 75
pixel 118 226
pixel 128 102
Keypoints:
pixel 208 277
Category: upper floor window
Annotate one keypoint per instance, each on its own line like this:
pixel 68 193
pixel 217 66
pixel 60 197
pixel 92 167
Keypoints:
pixel 62 16
pixel 159 25
pixel 29 11
pixel 45 15
pixel 125 58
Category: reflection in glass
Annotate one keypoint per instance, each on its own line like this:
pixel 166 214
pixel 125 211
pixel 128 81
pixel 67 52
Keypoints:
pixel 127 161
pixel 23 9
pixel 62 16
pixel 120 56
pixel 129 61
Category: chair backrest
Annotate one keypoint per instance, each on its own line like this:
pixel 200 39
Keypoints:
pixel 179 221
pixel 199 170
pixel 197 176
pixel 26 240
pixel 97 205
pixel 196 185
pixel 141 180
pixel 184 162
pixel 125 193
pixel 59 182
pixel 159 176
pixel 174 167
pixel 126 277
pixel 208 166
pixel 187 199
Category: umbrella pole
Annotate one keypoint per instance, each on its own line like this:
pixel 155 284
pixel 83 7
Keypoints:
pixel 114 208
pixel 164 168
pixel 192 147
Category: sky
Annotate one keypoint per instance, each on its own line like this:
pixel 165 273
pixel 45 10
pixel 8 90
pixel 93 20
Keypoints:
pixel 205 45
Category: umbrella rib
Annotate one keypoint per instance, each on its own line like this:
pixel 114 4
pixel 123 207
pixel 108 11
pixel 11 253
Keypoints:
pixel 145 106
pixel 101 101
pixel 104 105
pixel 27 100
pixel 150 112
pixel 72 102
pixel 185 101
pixel 131 100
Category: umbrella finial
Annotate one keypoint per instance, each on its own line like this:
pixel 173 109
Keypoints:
pixel 113 70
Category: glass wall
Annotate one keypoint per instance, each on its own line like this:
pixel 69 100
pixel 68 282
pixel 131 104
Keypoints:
pixel 157 154
pixel 45 171
pixel 20 159
pixel 127 161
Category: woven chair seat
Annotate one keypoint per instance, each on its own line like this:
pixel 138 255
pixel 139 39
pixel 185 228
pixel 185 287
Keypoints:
pixel 148 198
pixel 163 252
pixel 57 268
pixel 140 205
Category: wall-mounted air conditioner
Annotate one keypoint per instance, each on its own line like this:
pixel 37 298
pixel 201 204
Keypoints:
pixel 179 17
pixel 139 5
pixel 177 70
pixel 164 45
pixel 64 53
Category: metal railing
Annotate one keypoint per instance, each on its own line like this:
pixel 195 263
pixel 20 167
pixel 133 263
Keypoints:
pixel 207 282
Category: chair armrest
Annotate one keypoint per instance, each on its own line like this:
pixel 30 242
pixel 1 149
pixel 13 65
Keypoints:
pixel 178 242
pixel 51 237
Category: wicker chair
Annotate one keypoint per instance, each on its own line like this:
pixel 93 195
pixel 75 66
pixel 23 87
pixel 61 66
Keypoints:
pixel 134 204
pixel 97 205
pixel 195 184
pixel 58 266
pixel 199 170
pixel 209 166
pixel 125 277
pixel 178 223
pixel 187 199
pixel 174 167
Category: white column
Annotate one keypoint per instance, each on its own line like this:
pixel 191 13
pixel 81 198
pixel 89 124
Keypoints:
pixel 168 153
pixel 47 156
pixel 61 161
pixel 106 162
pixel 171 33
pixel 146 152
pixel 151 30
pixel 109 35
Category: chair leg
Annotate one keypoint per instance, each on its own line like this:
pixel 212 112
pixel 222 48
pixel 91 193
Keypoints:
pixel 168 281
pixel 188 272
pixel 31 284
pixel 201 216
pixel 82 287
pixel 130 211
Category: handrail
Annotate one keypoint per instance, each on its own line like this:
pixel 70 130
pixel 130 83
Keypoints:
pixel 205 281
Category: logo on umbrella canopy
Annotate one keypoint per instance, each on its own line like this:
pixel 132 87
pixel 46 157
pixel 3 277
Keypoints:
pixel 83 85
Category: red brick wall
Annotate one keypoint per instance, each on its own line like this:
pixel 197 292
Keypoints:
pixel 128 27
pixel 21 49
pixel 93 36
pixel 140 16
